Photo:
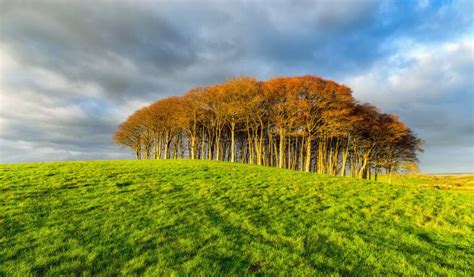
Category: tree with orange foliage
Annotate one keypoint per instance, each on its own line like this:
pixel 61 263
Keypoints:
pixel 305 123
pixel 236 92
pixel 130 134
pixel 284 101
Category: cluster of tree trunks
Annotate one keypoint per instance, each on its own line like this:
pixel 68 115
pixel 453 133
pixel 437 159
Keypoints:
pixel 301 123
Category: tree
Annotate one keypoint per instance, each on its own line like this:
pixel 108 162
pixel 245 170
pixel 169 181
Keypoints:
pixel 305 123
pixel 283 95
pixel 235 93
pixel 130 133
pixel 191 113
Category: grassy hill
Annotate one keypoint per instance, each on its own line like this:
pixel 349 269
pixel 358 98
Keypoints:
pixel 181 216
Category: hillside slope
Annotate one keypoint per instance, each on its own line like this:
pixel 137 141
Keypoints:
pixel 182 216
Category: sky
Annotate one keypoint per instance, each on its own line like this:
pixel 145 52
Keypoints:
pixel 71 71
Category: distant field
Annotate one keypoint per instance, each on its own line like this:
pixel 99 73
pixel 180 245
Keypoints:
pixel 459 182
pixel 190 217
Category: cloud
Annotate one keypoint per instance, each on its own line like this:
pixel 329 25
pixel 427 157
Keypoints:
pixel 71 71
pixel 431 88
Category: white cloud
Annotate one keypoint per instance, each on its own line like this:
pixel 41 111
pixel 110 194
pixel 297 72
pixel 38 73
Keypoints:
pixel 423 73
pixel 432 88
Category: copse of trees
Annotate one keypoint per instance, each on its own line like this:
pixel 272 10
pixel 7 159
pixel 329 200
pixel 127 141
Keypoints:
pixel 301 123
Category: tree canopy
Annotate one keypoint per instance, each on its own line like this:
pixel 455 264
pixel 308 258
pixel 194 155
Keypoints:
pixel 303 123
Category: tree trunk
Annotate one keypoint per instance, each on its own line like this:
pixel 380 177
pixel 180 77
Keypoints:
pixel 354 162
pixel 193 147
pixel 218 147
pixel 320 156
pixel 167 143
pixel 203 145
pixel 390 170
pixel 275 152
pixel 260 145
pixel 155 148
pixel 282 150
pixel 302 153
pixel 330 157
pixel 160 141
pixel 295 155
pixel 178 147
pixel 288 155
pixel 147 153
pixel 270 149
pixel 210 150
pixel 345 153
pixel 308 154
pixel 335 158
pixel 258 151
pixel 232 143
pixel 137 152
pixel 363 167
pixel 250 146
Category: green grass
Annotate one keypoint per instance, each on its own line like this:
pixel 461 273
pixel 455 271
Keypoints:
pixel 181 216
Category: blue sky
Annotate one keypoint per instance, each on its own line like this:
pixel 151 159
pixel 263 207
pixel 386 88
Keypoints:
pixel 72 70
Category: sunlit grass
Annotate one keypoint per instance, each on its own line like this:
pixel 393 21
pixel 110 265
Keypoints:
pixel 181 216
pixel 461 182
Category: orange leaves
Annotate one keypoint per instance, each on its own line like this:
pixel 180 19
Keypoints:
pixel 270 119
pixel 320 107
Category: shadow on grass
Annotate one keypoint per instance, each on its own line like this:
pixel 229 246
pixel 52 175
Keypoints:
pixel 123 184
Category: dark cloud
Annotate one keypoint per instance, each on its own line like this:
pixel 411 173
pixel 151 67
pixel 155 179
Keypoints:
pixel 107 44
pixel 72 70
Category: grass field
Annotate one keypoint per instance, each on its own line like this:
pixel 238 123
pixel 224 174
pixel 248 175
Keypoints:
pixel 181 216
pixel 459 182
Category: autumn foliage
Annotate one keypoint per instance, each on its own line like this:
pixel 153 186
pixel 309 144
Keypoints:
pixel 301 123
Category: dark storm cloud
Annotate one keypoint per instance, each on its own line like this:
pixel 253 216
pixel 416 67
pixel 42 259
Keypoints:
pixel 85 41
pixel 104 42
pixel 72 70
